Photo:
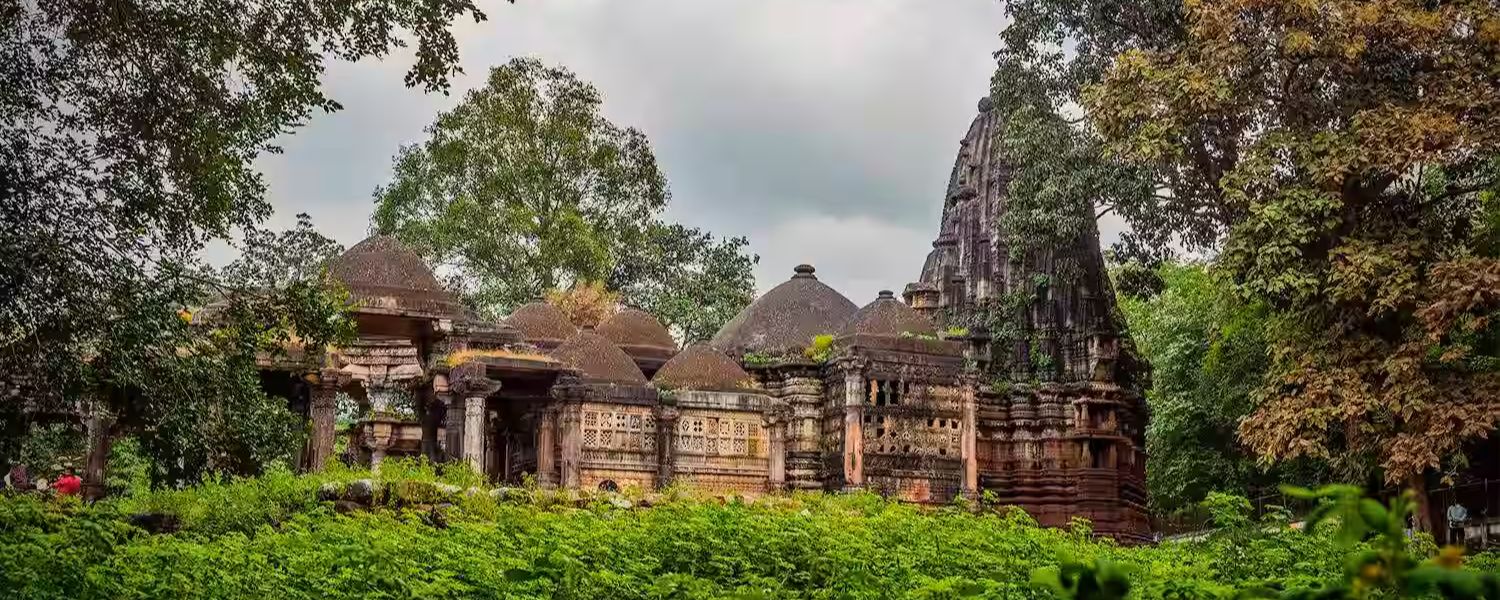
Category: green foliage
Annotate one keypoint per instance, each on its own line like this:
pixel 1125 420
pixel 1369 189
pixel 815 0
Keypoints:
pixel 1380 561
pixel 820 349
pixel 1228 510
pixel 759 359
pixel 270 537
pixel 526 187
pixel 127 146
pixel 1208 354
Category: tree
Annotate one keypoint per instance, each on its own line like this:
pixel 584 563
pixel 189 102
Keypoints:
pixel 1208 353
pixel 1348 150
pixel 525 187
pixel 127 131
pixel 693 283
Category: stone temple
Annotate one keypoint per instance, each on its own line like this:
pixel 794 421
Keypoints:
pixel 924 400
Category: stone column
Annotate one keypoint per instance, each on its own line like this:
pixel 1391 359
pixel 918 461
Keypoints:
pixel 474 427
pixel 572 445
pixel 968 442
pixel 100 439
pixel 546 448
pixel 470 382
pixel 666 444
pixel 453 417
pixel 777 416
pixel 323 410
pixel 854 436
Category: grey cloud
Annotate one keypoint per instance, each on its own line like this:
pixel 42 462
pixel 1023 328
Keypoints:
pixel 821 130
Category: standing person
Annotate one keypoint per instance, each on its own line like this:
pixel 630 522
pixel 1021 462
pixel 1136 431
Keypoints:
pixel 1457 515
pixel 68 484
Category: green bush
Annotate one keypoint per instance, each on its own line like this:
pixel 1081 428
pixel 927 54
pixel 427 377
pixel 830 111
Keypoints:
pixel 270 537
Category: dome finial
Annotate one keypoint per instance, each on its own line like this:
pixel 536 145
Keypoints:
pixel 887 294
pixel 804 271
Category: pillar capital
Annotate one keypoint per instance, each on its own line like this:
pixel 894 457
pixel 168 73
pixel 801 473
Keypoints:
pixel 469 380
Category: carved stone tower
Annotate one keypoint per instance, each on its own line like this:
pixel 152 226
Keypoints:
pixel 1061 418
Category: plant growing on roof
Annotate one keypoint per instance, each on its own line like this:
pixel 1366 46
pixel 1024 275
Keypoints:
pixel 821 348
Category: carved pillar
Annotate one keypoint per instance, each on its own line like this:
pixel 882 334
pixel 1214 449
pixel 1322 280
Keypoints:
pixel 470 382
pixel 546 448
pixel 854 437
pixel 453 418
pixel 323 410
pixel 777 416
pixel 666 444
pixel 571 423
pixel 378 428
pixel 100 439
pixel 968 437
pixel 474 427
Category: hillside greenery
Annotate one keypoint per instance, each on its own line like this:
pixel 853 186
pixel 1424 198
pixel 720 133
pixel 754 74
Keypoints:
pixel 270 537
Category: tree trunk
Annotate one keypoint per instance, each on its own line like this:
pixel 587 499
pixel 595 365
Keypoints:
pixel 1422 520
pixel 101 439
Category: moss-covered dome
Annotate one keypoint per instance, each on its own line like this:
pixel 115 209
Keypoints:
pixel 598 359
pixel 887 316
pixel 785 318
pixel 541 323
pixel 383 274
pixel 701 367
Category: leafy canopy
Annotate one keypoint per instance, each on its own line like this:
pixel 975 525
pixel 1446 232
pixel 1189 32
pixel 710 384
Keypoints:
pixel 525 187
pixel 127 131
pixel 1348 149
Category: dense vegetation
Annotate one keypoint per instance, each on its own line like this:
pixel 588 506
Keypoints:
pixel 271 537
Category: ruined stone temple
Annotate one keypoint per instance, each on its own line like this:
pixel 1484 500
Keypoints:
pixel 936 397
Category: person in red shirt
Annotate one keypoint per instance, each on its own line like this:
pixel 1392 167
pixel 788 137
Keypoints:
pixel 68 485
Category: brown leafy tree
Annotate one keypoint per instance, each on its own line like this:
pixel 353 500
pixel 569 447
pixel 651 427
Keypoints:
pixel 1348 151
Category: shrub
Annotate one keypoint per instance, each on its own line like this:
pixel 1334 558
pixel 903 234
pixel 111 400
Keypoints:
pixel 270 538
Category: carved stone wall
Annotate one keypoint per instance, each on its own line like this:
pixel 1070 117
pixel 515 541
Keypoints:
pixel 804 396
pixel 619 445
pixel 912 431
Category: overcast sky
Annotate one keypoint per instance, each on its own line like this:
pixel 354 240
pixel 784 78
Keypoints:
pixel 822 130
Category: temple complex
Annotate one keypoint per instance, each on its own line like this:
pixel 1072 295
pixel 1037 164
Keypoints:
pixel 937 397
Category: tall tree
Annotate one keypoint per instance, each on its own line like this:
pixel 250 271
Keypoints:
pixel 1208 353
pixel 1348 148
pixel 127 131
pixel 525 187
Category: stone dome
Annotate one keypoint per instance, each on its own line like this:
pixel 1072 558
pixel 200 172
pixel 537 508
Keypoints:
pixel 598 359
pixel 383 274
pixel 887 316
pixel 786 318
pixel 701 367
pixel 633 327
pixel 541 323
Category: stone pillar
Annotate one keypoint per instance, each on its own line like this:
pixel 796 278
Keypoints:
pixel 666 444
pixel 474 428
pixel 546 448
pixel 854 437
pixel 470 382
pixel 571 424
pixel 323 411
pixel 100 439
pixel 969 437
pixel 776 423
